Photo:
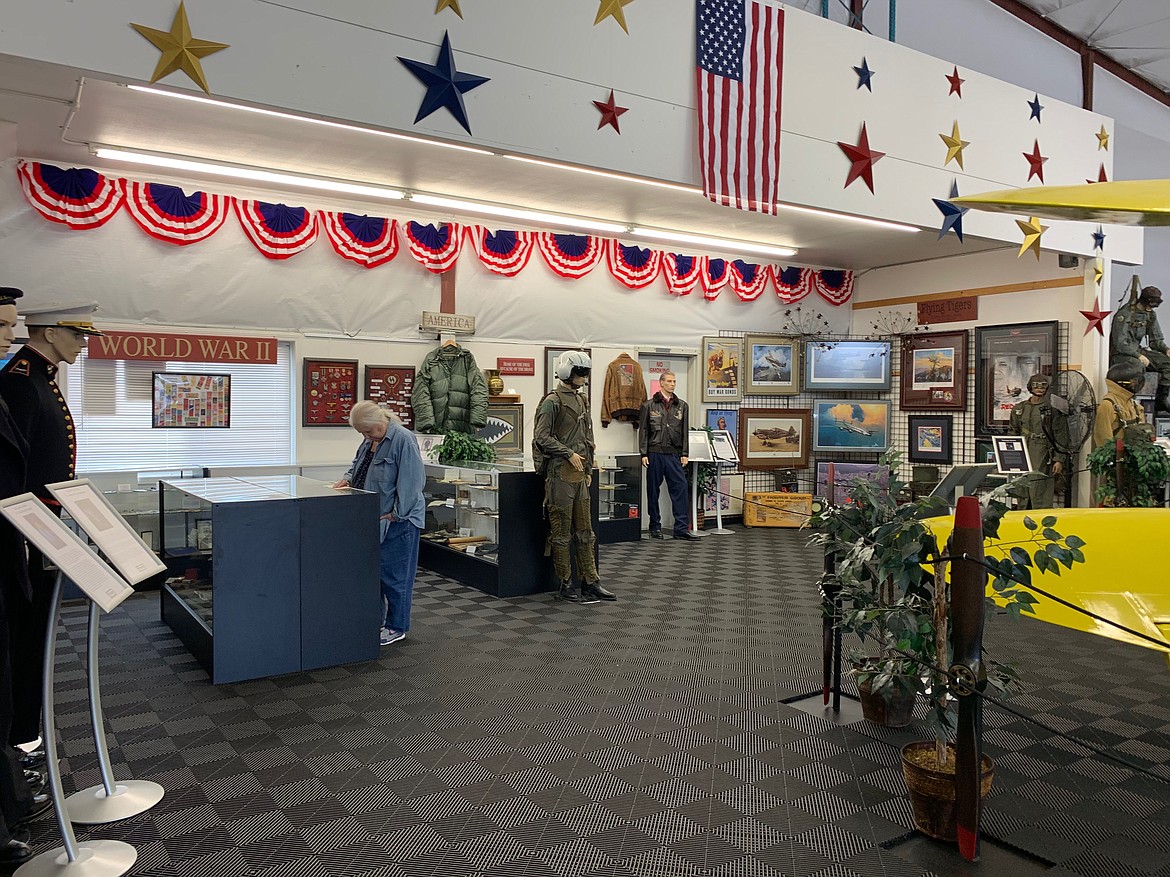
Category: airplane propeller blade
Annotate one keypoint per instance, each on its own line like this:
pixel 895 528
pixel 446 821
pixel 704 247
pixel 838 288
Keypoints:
pixel 1124 202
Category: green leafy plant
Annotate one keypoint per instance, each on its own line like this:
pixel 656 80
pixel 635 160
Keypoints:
pixel 894 594
pixel 1144 469
pixel 461 447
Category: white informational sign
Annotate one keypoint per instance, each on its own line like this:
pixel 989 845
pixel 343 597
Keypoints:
pixel 1011 455
pixel 723 444
pixel 107 529
pixel 65 549
pixel 699 447
pixel 428 443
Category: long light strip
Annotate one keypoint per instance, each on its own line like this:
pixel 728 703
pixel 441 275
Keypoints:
pixel 535 216
pixel 713 243
pixel 625 178
pixel 844 217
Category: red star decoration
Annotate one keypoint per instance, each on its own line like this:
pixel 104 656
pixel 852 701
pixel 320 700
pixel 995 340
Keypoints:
pixel 1101 178
pixel 609 112
pixel 956 83
pixel 1035 161
pixel 1095 317
pixel 863 159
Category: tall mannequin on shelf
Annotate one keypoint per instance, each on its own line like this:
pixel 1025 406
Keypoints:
pixel 1134 323
pixel 450 393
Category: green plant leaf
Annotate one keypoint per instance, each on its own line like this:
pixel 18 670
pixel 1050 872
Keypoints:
pixel 1029 523
pixel 1048 521
pixel 1074 542
pixel 1020 556
pixel 1051 535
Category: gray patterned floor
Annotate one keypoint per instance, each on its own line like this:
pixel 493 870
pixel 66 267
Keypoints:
pixel 647 737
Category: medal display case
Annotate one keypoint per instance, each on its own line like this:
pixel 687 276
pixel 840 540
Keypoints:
pixel 270 574
pixel 619 498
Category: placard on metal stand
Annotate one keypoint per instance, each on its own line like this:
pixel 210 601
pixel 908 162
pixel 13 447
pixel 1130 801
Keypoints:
pixel 73 558
pixel 133 558
pixel 698 451
pixel 723 449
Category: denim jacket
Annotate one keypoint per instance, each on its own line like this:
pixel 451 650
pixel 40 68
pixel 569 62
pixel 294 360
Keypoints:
pixel 396 475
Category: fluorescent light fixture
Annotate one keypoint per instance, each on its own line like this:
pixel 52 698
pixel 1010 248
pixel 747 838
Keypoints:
pixel 845 217
pixel 243 172
pixel 713 243
pixel 577 169
pixel 277 114
pixel 535 216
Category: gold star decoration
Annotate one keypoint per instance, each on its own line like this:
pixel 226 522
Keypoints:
pixel 1032 230
pixel 1098 271
pixel 1103 139
pixel 955 145
pixel 612 8
pixel 180 51
pixel 448 4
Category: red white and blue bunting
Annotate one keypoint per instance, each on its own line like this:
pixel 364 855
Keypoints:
pixel 168 214
pixel 633 266
pixel 277 230
pixel 502 252
pixel 78 198
pixel 368 240
pixel 83 199
pixel 434 247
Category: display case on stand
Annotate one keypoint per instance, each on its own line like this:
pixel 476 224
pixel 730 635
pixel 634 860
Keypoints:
pixel 270 575
pixel 619 498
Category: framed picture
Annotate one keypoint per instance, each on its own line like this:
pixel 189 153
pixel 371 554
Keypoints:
pixel 191 401
pixel 1005 357
pixel 328 391
pixel 729 497
pixel 552 354
pixel 773 365
pixel 934 370
pixel 984 452
pixel 773 438
pixel 1011 455
pixel 930 438
pixel 722 364
pixel 724 418
pixel 847 425
pixel 847 365
pixel 1162 426
pixel 392 387
pixel 834 479
pixel 504 429
pixel 724 445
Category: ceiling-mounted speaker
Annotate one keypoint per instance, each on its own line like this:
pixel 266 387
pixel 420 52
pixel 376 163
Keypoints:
pixel 1068 260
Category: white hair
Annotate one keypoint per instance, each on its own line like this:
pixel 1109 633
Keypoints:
pixel 366 414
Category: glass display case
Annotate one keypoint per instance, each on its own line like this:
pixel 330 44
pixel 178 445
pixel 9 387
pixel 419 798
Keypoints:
pixel 270 574
pixel 619 498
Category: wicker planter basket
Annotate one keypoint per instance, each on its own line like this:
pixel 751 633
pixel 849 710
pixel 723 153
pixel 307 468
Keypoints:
pixel 932 791
pixel 897 713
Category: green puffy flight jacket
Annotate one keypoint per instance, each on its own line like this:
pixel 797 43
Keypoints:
pixel 450 394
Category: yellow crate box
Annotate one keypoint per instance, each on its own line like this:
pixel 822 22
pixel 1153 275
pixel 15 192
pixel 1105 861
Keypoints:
pixel 776 509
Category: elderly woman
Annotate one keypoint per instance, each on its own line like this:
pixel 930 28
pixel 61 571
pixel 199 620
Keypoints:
pixel 388 463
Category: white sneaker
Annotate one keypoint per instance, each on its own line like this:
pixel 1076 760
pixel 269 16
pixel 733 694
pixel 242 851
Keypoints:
pixel 387 636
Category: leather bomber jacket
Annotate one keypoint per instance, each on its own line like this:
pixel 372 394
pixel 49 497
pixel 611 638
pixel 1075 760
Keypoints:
pixel 663 430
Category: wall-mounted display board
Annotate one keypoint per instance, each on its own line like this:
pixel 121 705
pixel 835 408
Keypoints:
pixel 194 401
pixel 328 391
pixel 391 386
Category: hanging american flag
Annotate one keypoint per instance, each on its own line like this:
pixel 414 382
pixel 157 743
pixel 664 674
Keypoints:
pixel 739 56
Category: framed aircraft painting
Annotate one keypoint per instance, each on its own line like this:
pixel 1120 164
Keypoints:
pixel 851 425
pixel 847 365
pixel 773 365
pixel 934 371
pixel 773 438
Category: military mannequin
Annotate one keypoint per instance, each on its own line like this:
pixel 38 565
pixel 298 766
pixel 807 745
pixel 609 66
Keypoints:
pixel 1036 419
pixel 1118 409
pixel 562 445
pixel 1133 323
pixel 28 385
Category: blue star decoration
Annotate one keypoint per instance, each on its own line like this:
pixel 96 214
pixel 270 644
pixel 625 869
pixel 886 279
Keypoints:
pixel 864 74
pixel 952 215
pixel 445 85
pixel 1035 106
pixel 1099 239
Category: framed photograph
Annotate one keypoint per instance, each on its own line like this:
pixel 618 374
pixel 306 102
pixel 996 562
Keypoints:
pixel 847 425
pixel 552 354
pixel 773 438
pixel 1011 455
pixel 328 391
pixel 834 479
pixel 984 452
pixel 1005 357
pixel 1162 427
pixel 724 418
pixel 847 365
pixel 930 438
pixel 722 369
pixel 392 386
pixel 191 401
pixel 504 429
pixel 773 365
pixel 723 444
pixel 934 371
pixel 729 497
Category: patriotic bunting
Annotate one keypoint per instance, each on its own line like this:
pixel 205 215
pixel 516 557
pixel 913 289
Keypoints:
pixel 835 287
pixel 747 280
pixel 436 249
pixel 681 272
pixel 277 230
pixel 167 213
pixel 569 255
pixel 633 266
pixel 713 275
pixel 502 252
pixel 368 240
pixel 79 198
pixel 792 284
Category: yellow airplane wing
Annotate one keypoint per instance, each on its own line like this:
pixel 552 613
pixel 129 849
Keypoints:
pixel 1126 202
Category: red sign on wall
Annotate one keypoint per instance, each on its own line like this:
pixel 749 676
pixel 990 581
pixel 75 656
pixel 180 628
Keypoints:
pixel 948 310
pixel 182 348
pixel 508 365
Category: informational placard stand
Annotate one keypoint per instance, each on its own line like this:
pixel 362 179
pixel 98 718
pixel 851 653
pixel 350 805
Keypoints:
pixel 93 858
pixel 124 548
pixel 723 449
pixel 698 451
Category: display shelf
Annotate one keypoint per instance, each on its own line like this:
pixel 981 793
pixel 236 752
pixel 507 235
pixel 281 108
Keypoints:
pixel 619 498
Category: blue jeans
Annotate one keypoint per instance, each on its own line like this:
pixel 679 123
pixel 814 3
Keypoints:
pixel 667 466
pixel 399 564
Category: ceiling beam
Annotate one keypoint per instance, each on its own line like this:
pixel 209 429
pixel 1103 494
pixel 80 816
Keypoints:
pixel 1090 57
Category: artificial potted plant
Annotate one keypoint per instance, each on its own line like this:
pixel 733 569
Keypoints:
pixel 461 447
pixel 1130 475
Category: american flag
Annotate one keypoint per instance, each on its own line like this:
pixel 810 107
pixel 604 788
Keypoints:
pixel 739 51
